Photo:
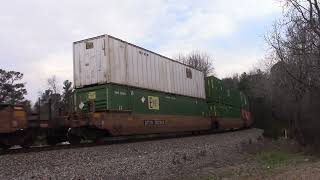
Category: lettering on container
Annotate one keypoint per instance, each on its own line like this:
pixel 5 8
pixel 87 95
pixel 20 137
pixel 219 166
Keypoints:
pixel 154 122
pixel 143 53
pixel 170 97
pixel 153 102
pixel 92 95
pixel 120 93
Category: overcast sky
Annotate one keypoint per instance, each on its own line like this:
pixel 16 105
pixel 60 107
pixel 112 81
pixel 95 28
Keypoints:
pixel 37 35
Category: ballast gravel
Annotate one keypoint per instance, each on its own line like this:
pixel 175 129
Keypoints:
pixel 158 159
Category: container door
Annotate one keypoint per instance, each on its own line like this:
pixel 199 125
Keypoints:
pixel 118 61
pixel 90 62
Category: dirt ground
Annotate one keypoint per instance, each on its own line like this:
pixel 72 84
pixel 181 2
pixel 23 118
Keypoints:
pixel 267 159
pixel 234 155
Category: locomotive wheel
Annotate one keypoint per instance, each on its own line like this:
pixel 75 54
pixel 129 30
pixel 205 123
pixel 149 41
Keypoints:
pixel 74 139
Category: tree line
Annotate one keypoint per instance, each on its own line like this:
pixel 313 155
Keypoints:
pixel 295 76
pixel 13 91
pixel 286 95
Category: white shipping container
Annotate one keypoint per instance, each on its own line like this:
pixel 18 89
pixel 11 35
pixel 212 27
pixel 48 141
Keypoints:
pixel 106 59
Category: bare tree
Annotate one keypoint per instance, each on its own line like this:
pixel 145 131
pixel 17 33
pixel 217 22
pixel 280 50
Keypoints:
pixel 231 82
pixel 296 77
pixel 60 103
pixel 53 84
pixel 200 61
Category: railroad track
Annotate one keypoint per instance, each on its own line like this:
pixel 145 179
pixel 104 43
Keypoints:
pixel 111 140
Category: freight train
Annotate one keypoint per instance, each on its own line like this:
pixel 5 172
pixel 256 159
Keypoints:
pixel 123 89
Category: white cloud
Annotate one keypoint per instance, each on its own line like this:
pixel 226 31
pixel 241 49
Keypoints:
pixel 202 26
pixel 209 19
pixel 249 8
pixel 37 35
pixel 220 20
pixel 241 60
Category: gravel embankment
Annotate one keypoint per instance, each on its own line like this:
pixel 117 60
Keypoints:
pixel 159 159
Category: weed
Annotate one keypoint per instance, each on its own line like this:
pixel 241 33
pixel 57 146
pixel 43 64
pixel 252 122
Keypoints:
pixel 212 178
pixel 273 159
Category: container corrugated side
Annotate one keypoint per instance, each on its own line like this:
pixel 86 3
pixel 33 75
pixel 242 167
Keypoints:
pixel 106 59
pixel 224 111
pixel 214 89
pixel 123 98
pixel 216 92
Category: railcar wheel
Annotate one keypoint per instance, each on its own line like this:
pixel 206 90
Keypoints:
pixel 27 143
pixel 245 125
pixel 98 140
pixel 4 147
pixel 74 139
pixel 52 141
pixel 216 125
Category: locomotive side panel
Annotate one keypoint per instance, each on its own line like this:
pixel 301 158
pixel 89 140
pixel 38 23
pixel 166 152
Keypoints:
pixel 12 118
pixel 5 120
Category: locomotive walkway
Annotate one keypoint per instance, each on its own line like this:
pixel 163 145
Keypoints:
pixel 158 159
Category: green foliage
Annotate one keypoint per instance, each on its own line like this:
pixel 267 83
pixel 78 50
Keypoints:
pixel 12 90
pixel 231 82
pixel 44 97
pixel 67 91
pixel 243 82
pixel 27 105
pixel 59 103
pixel 67 94
pixel 273 159
pixel 212 177
pixel 67 88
